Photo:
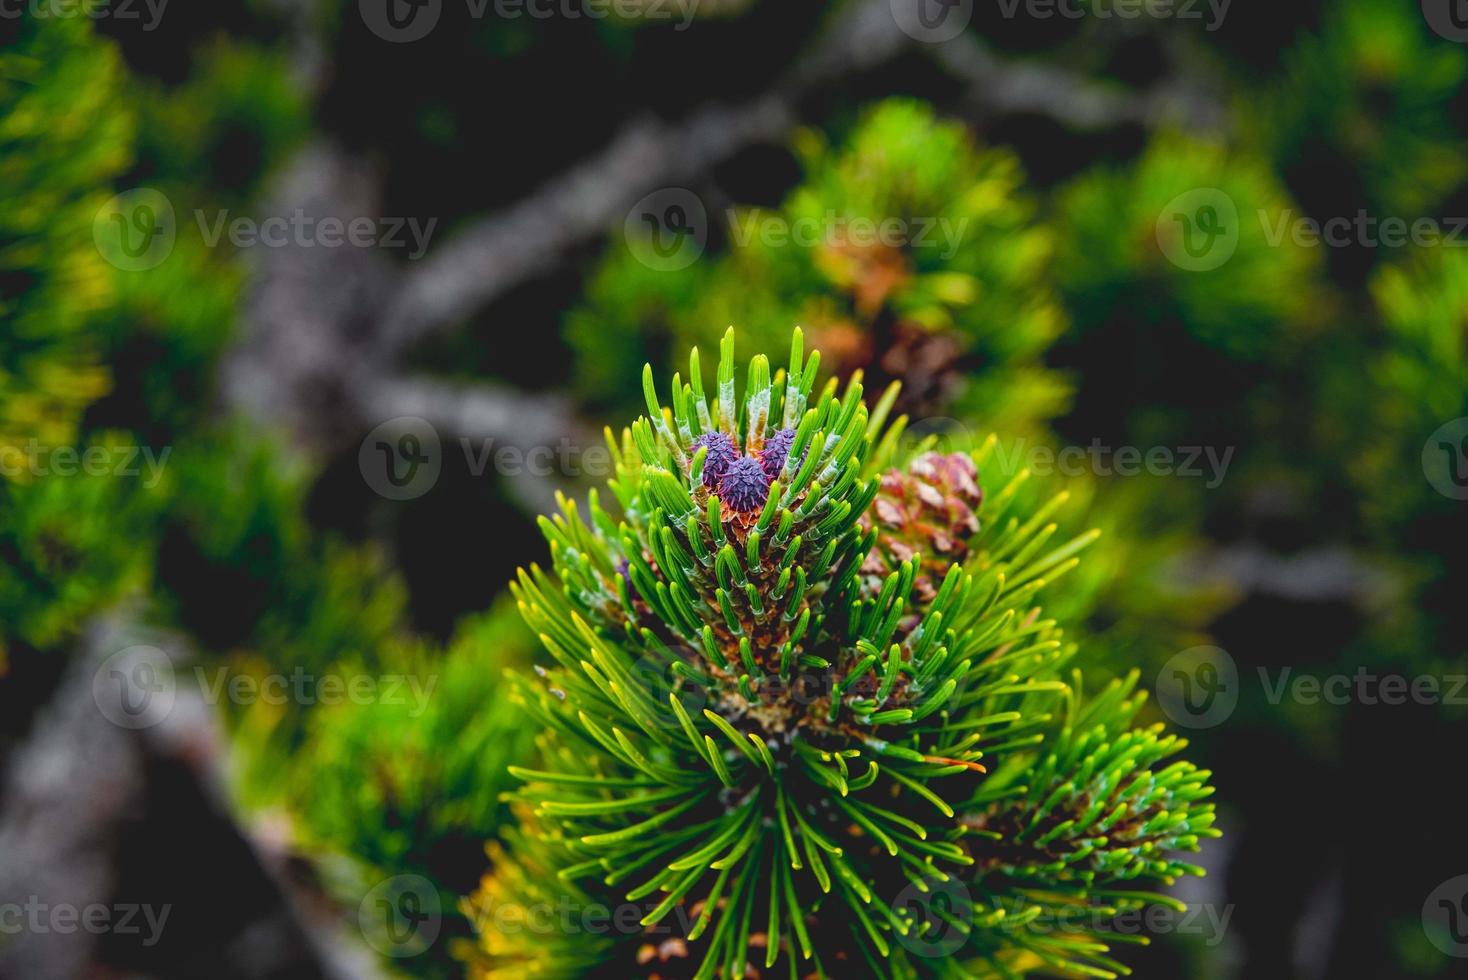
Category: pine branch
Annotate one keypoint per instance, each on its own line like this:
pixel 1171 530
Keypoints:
pixel 775 729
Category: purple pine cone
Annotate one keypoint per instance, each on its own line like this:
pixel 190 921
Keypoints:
pixel 776 451
pixel 744 485
pixel 721 455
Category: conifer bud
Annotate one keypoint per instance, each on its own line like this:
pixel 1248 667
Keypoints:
pixel 930 509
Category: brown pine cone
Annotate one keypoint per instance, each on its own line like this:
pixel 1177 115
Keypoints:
pixel 932 510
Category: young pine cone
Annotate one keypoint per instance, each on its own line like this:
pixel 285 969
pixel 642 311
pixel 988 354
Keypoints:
pixel 932 510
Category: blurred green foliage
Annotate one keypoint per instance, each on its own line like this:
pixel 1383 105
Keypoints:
pixel 193 516
pixel 416 785
pixel 1115 274
pixel 1368 104
pixel 64 142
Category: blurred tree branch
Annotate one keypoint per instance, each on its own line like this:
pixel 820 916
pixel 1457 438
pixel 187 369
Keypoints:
pixel 72 836
pixel 326 329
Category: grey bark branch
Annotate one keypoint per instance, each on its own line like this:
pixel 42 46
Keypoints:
pixel 86 798
pixel 996 85
pixel 513 246
pixel 487 419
